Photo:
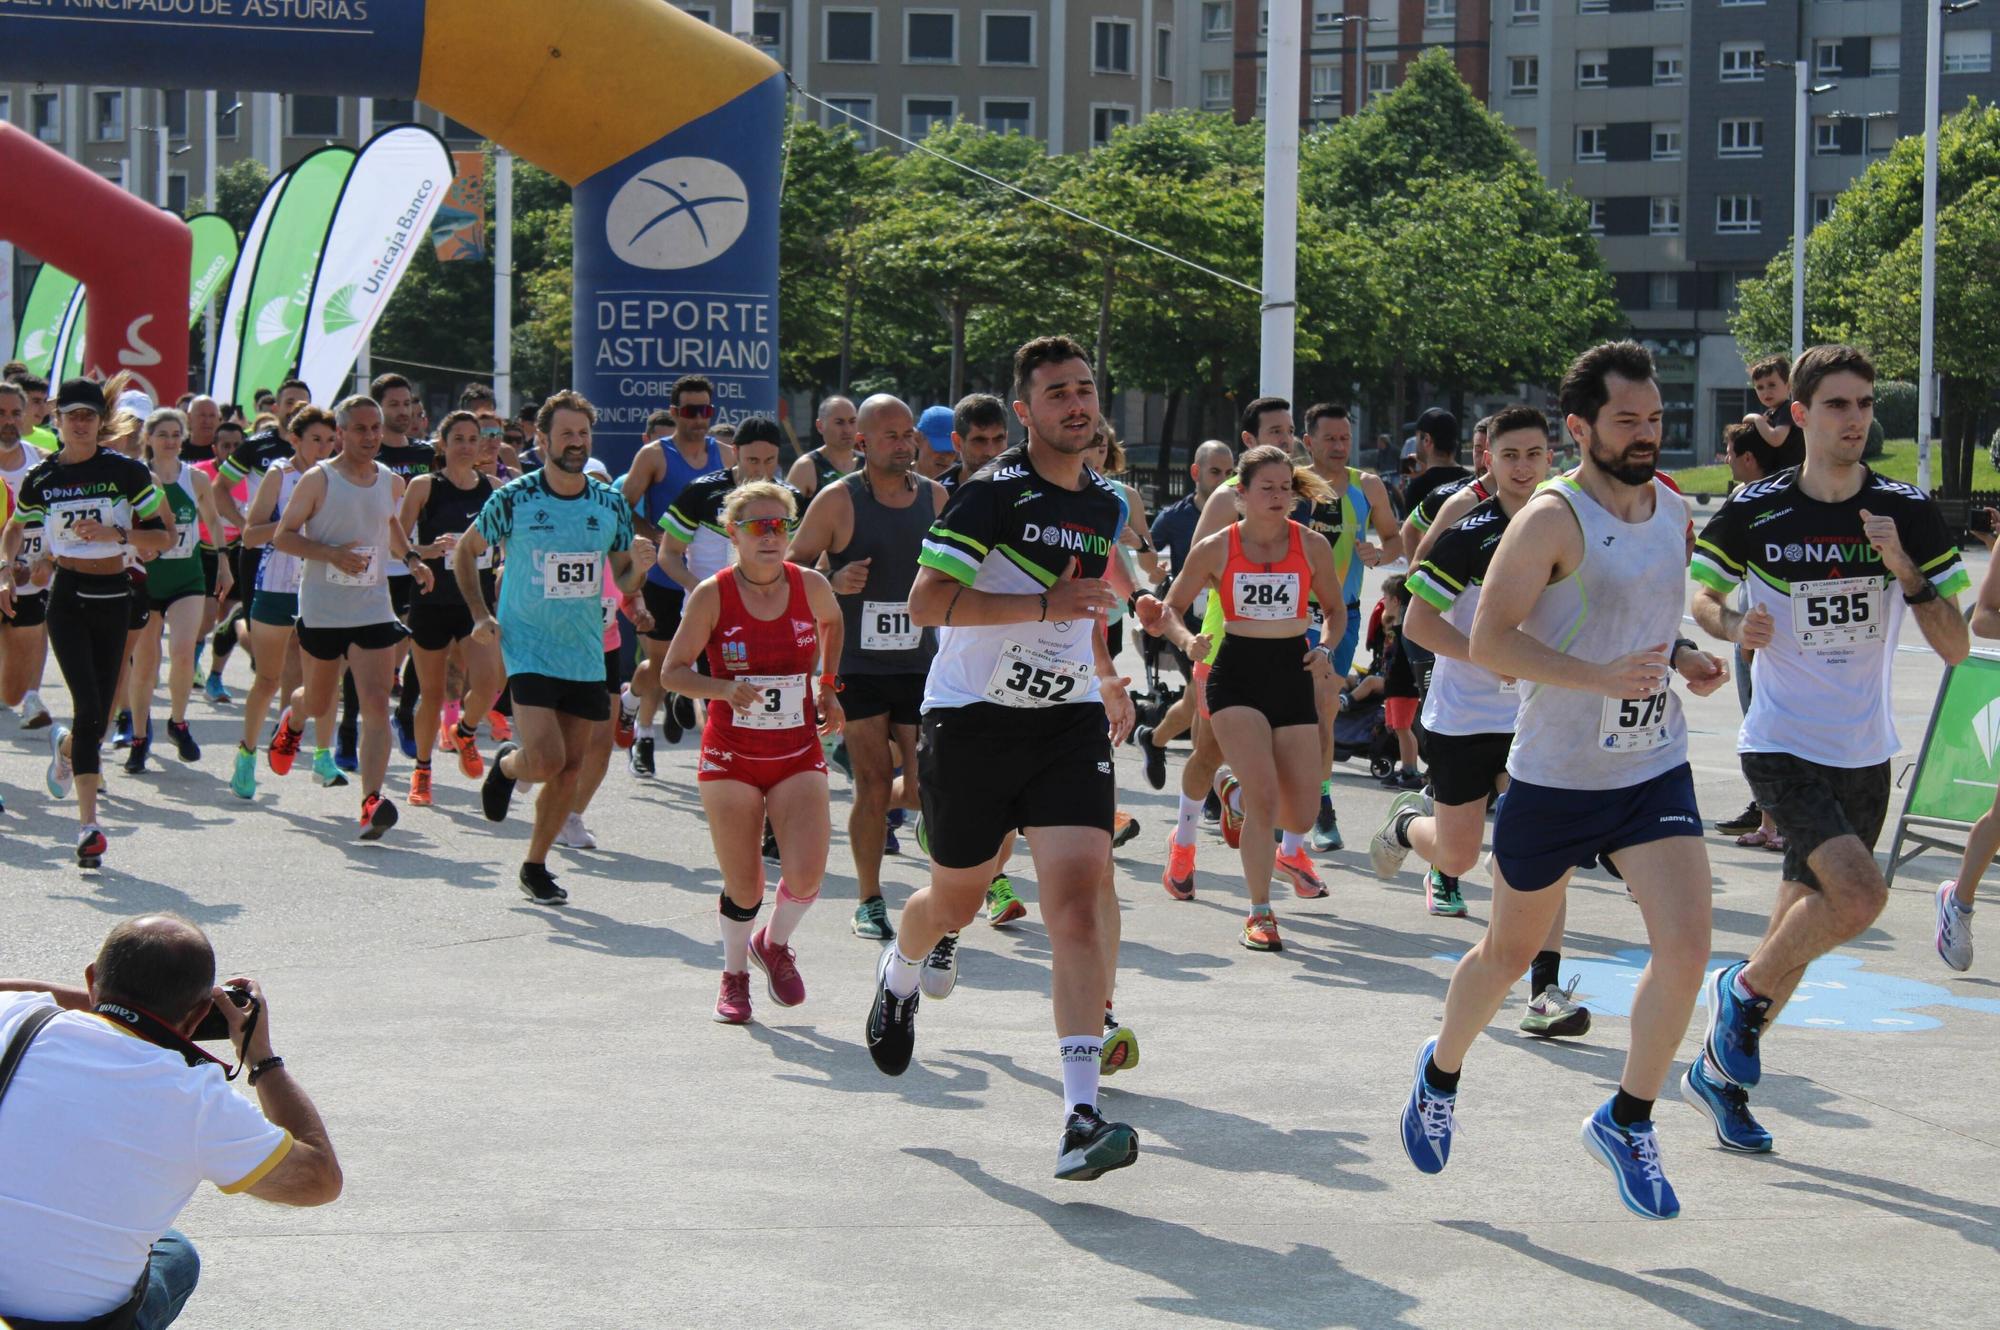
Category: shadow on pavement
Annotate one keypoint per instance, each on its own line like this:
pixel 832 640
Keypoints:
pixel 845 1066
pixel 124 895
pixel 1975 1221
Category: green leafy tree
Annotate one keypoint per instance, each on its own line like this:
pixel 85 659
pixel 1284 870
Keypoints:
pixel 239 188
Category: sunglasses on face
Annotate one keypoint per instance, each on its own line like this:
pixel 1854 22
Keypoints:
pixel 489 433
pixel 757 528
pixel 695 412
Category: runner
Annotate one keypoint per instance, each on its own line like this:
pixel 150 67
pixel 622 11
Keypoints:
pixel 1599 761
pixel 838 424
pixel 406 454
pixel 227 601
pixel 24 640
pixel 1262 686
pixel 555 527
pixel 1173 534
pixel 95 506
pixel 176 590
pixel 275 579
pixel 1014 731
pixel 1838 552
pixel 766 626
pixel 694 541
pixel 1955 897
pixel 662 469
pixel 939 453
pixel 436 510
pixel 870 526
pixel 978 433
pixel 341 523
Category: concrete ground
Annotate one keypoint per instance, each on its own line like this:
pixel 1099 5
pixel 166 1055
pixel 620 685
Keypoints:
pixel 541 1126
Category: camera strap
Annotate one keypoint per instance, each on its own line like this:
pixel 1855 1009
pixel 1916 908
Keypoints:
pixel 24 1034
pixel 156 1031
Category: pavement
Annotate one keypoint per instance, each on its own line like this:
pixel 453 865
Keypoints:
pixel 541 1126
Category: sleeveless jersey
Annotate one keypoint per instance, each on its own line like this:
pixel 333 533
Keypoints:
pixel 1256 592
pixel 277 571
pixel 179 568
pixel 449 510
pixel 1624 597
pixel 358 515
pixel 1464 698
pixel 880 639
pixel 824 471
pixel 779 655
pixel 551 615
pixel 660 495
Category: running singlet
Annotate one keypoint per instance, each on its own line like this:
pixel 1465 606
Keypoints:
pixel 777 656
pixel 278 571
pixel 178 570
pixel 408 460
pixel 110 487
pixel 695 519
pixel 661 494
pixel 1266 592
pixel 879 636
pixel 1625 596
pixel 449 510
pixel 1010 532
pixel 551 617
pixel 1212 618
pixel 1464 698
pixel 824 471
pixel 1821 689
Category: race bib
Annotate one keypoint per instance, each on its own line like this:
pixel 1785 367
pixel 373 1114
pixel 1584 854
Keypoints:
pixel 185 536
pixel 369 576
pixel 611 615
pixel 886 626
pixel 1838 612
pixel 571 576
pixel 67 515
pixel 1027 677
pixel 780 704
pixel 1267 595
pixel 1633 725
pixel 31 544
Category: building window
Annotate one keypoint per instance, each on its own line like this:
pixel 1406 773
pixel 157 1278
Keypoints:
pixel 1738 215
pixel 1263 86
pixel 1218 21
pixel 1524 75
pixel 1826 57
pixel 1264 21
pixel 700 13
pixel 6 107
pixel 849 113
pixel 930 37
pixel 768 26
pixel 1826 137
pixel 1881 135
pixel 1822 207
pixel 1010 39
pixel 1525 12
pixel 1663 289
pixel 1215 92
pixel 920 114
pixel 107 116
pixel 1742 62
pixel 1667 142
pixel 1885 55
pixel 1593 6
pixel 1968 52
pixel 848 36
pixel 1381 77
pixel 1597 217
pixel 1666 216
pixel 1110 46
pixel 388 110
pixel 45 116
pixel 1440 11
pixel 1667 72
pixel 177 192
pixel 1732 4
pixel 173 110
pixel 1590 143
pixel 1326 15
pixel 1326 83
pixel 1104 120
pixel 1008 117
pixel 1593 69
pixel 1662 6
pixel 316 117
pixel 1163 53
pixel 458 129
pixel 1740 138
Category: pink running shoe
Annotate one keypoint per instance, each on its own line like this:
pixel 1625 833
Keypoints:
pixel 780 967
pixel 732 1002
pixel 1305 882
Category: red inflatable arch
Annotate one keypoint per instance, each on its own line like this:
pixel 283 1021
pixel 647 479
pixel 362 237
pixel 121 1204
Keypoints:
pixel 131 258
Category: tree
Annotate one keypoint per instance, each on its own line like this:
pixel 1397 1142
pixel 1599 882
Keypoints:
pixel 831 184
pixel 239 188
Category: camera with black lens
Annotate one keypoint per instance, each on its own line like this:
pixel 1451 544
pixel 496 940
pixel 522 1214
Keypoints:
pixel 213 1027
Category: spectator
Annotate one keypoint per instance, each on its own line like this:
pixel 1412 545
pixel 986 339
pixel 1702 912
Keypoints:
pixel 113 1118
pixel 1771 380
pixel 1436 453
pixel 1399 707
pixel 939 453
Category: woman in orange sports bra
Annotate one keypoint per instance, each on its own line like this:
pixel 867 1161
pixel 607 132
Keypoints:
pixel 1265 567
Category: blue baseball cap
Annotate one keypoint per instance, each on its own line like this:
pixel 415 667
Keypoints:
pixel 935 424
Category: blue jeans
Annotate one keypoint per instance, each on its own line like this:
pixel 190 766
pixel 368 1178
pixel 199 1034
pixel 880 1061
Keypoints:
pixel 171 1275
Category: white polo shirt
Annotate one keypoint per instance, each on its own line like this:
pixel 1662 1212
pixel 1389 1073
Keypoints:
pixel 103 1139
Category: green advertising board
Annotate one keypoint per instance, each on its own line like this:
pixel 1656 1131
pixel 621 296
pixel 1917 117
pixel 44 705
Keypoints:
pixel 1958 767
pixel 41 321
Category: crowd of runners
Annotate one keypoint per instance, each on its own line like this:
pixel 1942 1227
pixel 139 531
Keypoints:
pixel 939 614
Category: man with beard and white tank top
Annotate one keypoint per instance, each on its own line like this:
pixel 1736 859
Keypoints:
pixel 24 639
pixel 1582 604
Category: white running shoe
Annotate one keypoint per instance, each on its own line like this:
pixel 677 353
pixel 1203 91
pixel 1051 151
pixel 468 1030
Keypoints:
pixel 34 712
pixel 1954 928
pixel 61 775
pixel 1385 852
pixel 940 973
pixel 574 835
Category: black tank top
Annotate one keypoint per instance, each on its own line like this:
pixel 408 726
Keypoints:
pixel 448 510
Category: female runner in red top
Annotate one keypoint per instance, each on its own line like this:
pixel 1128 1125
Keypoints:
pixel 765 625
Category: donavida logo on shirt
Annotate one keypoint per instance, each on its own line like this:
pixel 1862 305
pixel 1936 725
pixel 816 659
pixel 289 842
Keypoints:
pixel 679 213
pixel 1079 539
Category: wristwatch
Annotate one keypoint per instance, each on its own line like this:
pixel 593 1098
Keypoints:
pixel 1928 594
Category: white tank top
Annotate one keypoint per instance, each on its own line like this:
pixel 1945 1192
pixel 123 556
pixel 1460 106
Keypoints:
pixel 31 537
pixel 281 572
pixel 1624 597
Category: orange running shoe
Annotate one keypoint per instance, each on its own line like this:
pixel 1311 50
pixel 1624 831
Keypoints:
pixel 420 788
pixel 470 764
pixel 1260 932
pixel 284 744
pixel 1179 877
pixel 496 722
pixel 1232 818
pixel 448 736
pixel 1305 881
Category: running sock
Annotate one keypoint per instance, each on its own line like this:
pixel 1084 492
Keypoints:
pixel 423 766
pixel 1187 820
pixel 466 735
pixel 1291 844
pixel 1082 1056
pixel 737 925
pixel 1440 1082
pixel 245 749
pixel 1400 828
pixel 1741 989
pixel 785 915
pixel 1625 1110
pixel 901 979
pixel 1110 1019
pixel 1542 975
pixel 1326 790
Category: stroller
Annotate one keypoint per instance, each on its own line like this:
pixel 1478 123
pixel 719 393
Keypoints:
pixel 1152 701
pixel 1362 732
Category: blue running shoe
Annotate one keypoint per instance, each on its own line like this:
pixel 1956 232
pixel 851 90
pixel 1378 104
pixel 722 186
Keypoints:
pixel 1727 1106
pixel 1427 1120
pixel 1633 1156
pixel 344 755
pixel 405 739
pixel 214 690
pixel 1734 1029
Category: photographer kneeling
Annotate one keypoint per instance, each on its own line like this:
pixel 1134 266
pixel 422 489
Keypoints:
pixel 110 1117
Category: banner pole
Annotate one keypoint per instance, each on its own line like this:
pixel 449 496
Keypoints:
pixel 364 363
pixel 503 280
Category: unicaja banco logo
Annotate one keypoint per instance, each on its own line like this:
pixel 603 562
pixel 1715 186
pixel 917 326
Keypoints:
pixel 1986 729
pixel 679 213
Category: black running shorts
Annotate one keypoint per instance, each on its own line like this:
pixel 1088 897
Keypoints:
pixel 335 643
pixel 1465 767
pixel 1813 804
pixel 985 770
pixel 585 699
pixel 665 604
pixel 900 696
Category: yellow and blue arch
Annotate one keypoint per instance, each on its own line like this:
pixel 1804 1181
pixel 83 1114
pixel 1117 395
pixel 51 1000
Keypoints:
pixel 669 131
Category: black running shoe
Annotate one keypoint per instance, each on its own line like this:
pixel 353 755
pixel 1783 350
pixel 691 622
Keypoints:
pixel 184 744
pixel 539 885
pixel 892 1023
pixel 670 723
pixel 497 791
pixel 640 755
pixel 1211 809
pixel 684 713
pixel 1092 1147
pixel 135 756
pixel 1156 758
pixel 1744 822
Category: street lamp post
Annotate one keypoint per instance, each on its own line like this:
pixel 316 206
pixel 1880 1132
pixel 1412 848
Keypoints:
pixel 1801 136
pixel 1281 199
pixel 1927 315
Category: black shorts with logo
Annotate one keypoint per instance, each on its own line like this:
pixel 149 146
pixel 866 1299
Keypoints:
pixel 433 627
pixel 901 696
pixel 335 643
pixel 1813 804
pixel 1465 767
pixel 582 698
pixel 665 604
pixel 29 611
pixel 985 770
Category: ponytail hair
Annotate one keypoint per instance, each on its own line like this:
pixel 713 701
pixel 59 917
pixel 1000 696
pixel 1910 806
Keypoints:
pixel 1306 482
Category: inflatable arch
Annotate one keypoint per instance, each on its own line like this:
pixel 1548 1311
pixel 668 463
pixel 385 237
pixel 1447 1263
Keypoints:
pixel 669 131
pixel 131 258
